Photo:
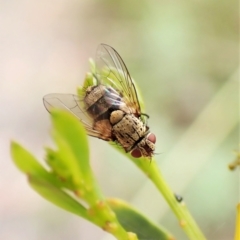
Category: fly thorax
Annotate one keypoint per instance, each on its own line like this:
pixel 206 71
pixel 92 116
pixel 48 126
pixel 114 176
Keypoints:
pixel 116 116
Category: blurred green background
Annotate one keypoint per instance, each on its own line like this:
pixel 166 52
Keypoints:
pixel 184 57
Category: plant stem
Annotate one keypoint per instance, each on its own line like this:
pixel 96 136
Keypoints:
pixel 186 221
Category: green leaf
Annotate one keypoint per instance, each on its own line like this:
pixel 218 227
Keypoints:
pixel 69 179
pixel 71 160
pixel 71 136
pixel 88 81
pixel 57 196
pixel 133 221
pixel 44 182
pixel 28 164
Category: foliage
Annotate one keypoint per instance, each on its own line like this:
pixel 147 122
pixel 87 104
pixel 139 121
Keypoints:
pixel 70 184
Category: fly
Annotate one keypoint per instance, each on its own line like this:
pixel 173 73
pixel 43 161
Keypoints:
pixel 109 108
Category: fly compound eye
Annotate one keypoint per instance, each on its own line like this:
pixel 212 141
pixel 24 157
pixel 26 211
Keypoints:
pixel 136 153
pixel 149 145
pixel 151 137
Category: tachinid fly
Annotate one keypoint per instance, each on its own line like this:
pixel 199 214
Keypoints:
pixel 109 108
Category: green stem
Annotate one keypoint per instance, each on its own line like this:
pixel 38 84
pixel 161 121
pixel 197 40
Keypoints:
pixel 186 220
pixel 179 208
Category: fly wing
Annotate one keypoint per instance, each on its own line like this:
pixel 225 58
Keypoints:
pixel 112 71
pixel 73 104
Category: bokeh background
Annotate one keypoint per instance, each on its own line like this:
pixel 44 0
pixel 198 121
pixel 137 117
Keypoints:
pixel 184 57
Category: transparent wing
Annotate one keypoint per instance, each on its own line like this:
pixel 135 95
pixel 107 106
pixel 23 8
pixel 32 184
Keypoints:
pixel 73 104
pixel 111 70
